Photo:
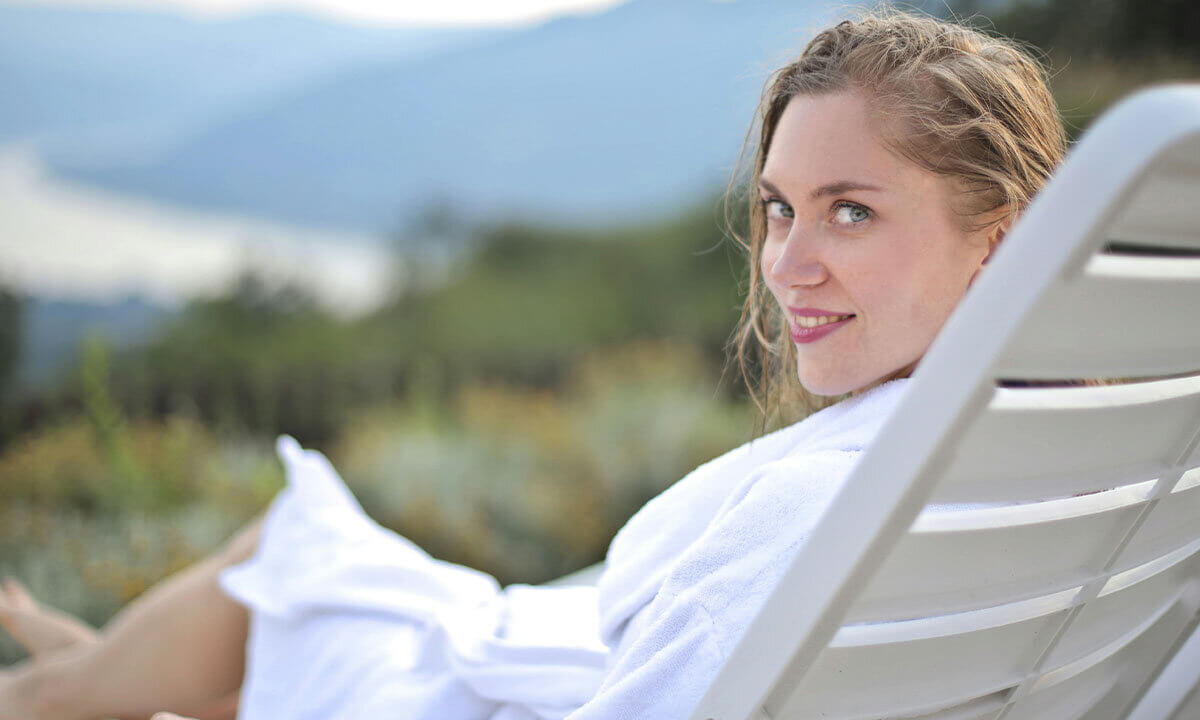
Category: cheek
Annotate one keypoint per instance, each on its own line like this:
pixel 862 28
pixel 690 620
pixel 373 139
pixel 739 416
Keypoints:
pixel 766 261
pixel 903 302
pixel 931 299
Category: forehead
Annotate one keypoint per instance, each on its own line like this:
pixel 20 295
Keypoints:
pixel 833 137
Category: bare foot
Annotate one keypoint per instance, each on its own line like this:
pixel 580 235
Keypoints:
pixel 39 628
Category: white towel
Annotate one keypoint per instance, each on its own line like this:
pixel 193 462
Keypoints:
pixel 688 573
pixel 349 620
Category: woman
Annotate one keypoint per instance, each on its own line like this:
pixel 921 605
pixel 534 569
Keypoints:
pixel 894 153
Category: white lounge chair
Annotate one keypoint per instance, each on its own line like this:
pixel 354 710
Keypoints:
pixel 1060 571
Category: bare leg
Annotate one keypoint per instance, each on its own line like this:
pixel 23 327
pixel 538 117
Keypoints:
pixel 181 647
pixel 44 631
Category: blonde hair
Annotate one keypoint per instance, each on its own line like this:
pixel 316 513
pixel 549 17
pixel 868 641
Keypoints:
pixel 952 100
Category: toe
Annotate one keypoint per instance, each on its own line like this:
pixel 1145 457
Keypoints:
pixel 18 596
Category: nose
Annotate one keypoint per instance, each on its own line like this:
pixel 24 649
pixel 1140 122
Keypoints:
pixel 793 261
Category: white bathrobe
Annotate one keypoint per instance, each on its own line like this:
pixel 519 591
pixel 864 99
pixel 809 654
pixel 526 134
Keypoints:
pixel 349 620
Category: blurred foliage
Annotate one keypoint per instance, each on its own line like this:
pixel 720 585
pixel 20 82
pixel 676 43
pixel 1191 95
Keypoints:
pixel 521 308
pixel 532 299
pixel 262 360
pixel 526 483
pixel 1100 50
pixel 11 331
pixel 94 509
pixel 511 417
pixel 1128 30
pixel 531 484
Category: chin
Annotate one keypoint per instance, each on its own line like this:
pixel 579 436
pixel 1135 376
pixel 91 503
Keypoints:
pixel 830 386
pixel 829 392
pixel 835 384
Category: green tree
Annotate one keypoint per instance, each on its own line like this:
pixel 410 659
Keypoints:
pixel 11 332
pixel 1129 30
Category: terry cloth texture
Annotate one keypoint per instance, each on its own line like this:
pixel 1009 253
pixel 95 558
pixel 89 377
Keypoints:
pixel 351 621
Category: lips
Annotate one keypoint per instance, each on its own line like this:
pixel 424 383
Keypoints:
pixel 815 321
pixel 812 324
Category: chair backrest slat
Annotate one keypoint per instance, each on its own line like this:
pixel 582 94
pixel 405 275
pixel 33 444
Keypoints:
pixel 1171 526
pixel 1118 305
pixel 936 663
pixel 1160 210
pixel 1037 443
pixel 961 560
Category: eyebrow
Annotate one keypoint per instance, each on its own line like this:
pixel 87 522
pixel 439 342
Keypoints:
pixel 833 188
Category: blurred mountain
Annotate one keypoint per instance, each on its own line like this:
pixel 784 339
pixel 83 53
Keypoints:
pixel 99 86
pixel 603 117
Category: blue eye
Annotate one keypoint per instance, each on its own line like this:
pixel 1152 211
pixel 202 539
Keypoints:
pixel 848 213
pixel 776 208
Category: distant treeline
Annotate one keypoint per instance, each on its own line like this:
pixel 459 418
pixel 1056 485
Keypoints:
pixel 524 306
pixel 11 330
pixel 1098 51
pixel 1129 30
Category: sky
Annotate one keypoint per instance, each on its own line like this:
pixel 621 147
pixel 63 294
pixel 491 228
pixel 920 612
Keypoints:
pixel 423 12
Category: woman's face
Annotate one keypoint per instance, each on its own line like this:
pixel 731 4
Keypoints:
pixel 862 252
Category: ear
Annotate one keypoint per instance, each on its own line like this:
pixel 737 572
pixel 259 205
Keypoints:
pixel 995 234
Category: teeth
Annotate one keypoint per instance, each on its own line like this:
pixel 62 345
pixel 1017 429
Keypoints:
pixel 810 322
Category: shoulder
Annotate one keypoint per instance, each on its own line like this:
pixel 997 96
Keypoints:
pixel 730 570
pixel 651 543
pixel 731 520
pixel 676 517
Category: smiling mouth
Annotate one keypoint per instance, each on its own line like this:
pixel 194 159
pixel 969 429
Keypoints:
pixel 812 322
pixel 811 328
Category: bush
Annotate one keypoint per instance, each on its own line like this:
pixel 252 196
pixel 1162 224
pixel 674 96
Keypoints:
pixel 530 484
